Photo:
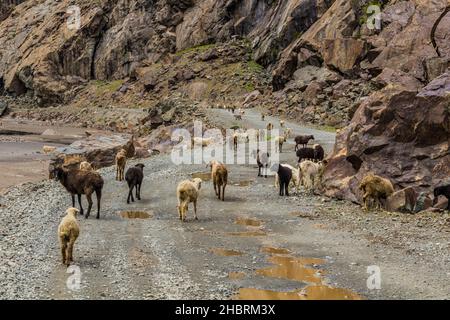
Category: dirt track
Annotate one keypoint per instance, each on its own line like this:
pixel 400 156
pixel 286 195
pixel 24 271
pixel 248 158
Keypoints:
pixel 162 258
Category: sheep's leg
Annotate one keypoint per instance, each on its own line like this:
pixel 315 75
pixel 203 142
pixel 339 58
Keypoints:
pixel 73 200
pixel 215 188
pixel 63 251
pixel 259 171
pixel 195 210
pixel 223 192
pixel 265 170
pixel 89 199
pixel 139 185
pixel 281 188
pixel 79 202
pixel 99 199
pixel 130 194
pixel 286 189
pixel 137 192
pixel 70 251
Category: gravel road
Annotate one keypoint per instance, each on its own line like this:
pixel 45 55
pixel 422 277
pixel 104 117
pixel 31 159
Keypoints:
pixel 233 251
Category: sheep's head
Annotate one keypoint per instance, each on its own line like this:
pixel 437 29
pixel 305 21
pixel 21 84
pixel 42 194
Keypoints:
pixel 197 182
pixel 58 173
pixel 72 211
pixel 140 166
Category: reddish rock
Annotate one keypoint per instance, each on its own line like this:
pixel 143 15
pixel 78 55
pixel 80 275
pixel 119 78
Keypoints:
pixel 402 201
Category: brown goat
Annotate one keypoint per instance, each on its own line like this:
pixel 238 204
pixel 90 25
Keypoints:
pixel 78 182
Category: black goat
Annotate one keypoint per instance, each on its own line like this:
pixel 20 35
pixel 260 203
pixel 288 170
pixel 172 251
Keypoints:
pixel 134 177
pixel 305 154
pixel 319 153
pixel 284 178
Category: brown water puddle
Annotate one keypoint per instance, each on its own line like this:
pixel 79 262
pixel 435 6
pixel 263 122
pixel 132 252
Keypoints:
pixel 314 292
pixel 256 233
pixel 273 250
pixel 226 252
pixel 136 215
pixel 293 269
pixel 205 176
pixel 236 275
pixel 251 222
pixel 243 183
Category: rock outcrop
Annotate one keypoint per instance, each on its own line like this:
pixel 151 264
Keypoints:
pixel 398 134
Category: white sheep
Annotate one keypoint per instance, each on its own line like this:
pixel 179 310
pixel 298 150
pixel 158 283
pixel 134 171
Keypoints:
pixel 279 141
pixel 68 232
pixel 187 192
pixel 311 173
pixel 295 181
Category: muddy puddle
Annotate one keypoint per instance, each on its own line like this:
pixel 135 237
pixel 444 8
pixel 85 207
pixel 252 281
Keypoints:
pixel 250 222
pixel 136 214
pixel 273 250
pixel 292 269
pixel 226 252
pixel 249 233
pixel 236 275
pixel 314 292
pixel 205 176
pixel 299 269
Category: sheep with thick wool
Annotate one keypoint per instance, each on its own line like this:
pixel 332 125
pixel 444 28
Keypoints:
pixel 310 173
pixel 68 232
pixel 187 192
pixel 219 177
pixel 376 188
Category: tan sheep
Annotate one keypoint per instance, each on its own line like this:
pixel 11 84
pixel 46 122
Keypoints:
pixel 376 188
pixel 204 142
pixel 187 192
pixel 269 127
pixel 310 173
pixel 86 166
pixel 295 181
pixel 68 232
pixel 288 132
pixel 219 177
pixel 282 123
pixel 279 141
pixel 121 161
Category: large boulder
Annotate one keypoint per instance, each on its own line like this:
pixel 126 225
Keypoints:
pixel 398 134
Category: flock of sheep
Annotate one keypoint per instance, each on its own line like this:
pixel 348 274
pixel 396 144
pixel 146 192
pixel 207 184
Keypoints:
pixel 311 165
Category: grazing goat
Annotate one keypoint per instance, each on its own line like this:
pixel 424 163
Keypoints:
pixel 295 182
pixel 86 166
pixel 442 191
pixel 79 182
pixel 219 177
pixel 68 231
pixel 134 177
pixel 375 188
pixel 310 173
pixel 284 176
pixel 187 192
pixel 282 123
pixel 121 161
pixel 302 140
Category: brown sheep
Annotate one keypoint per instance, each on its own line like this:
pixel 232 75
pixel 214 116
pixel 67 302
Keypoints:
pixel 219 177
pixel 375 188
pixel 79 182
pixel 121 161
pixel 68 232
pixel 187 192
